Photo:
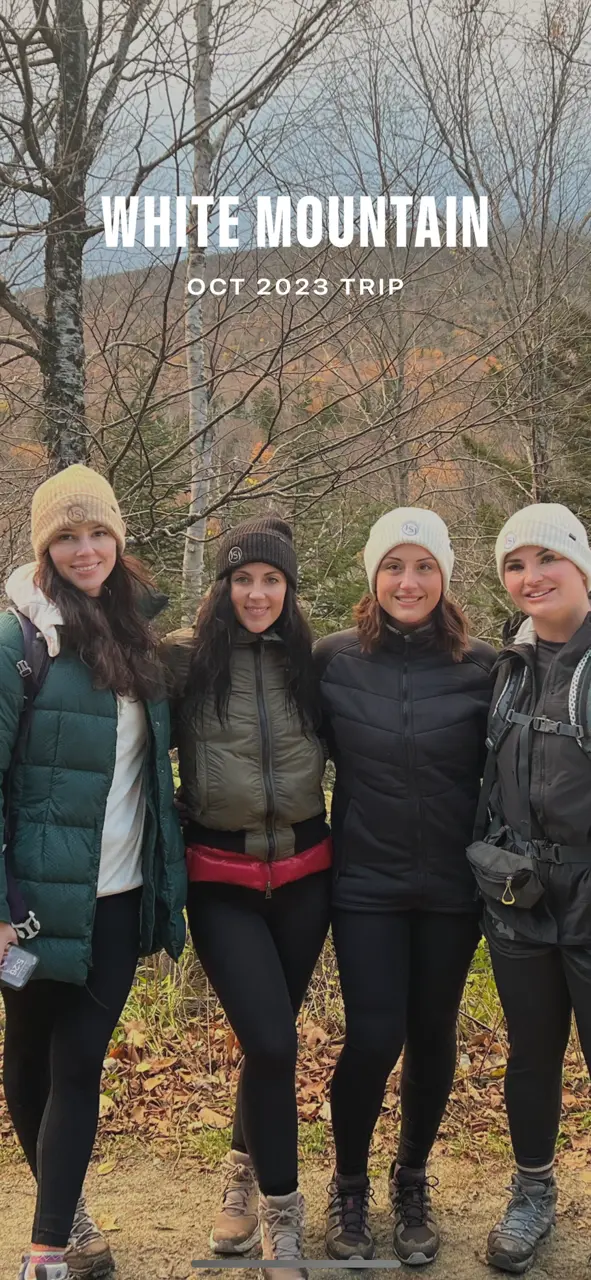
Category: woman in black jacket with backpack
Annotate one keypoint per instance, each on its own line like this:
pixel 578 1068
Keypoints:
pixel 538 922
pixel 405 696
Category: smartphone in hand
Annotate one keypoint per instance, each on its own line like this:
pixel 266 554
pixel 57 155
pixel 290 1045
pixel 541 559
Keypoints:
pixel 17 967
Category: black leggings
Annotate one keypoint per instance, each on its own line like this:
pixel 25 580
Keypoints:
pixel 402 978
pixel 539 988
pixel 259 954
pixel 55 1042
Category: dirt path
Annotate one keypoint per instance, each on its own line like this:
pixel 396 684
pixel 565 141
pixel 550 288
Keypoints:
pixel 163 1211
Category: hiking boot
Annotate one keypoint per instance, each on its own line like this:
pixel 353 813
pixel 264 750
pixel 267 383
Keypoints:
pixel 528 1219
pixel 347 1227
pixel 236 1228
pixel 44 1270
pixel 416 1234
pixel 88 1254
pixel 282 1229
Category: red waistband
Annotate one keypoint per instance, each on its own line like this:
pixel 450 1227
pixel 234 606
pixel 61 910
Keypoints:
pixel 204 863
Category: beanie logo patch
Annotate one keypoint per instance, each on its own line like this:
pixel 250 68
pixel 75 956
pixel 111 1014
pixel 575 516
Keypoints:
pixel 235 555
pixel 410 528
pixel 510 540
pixel 75 515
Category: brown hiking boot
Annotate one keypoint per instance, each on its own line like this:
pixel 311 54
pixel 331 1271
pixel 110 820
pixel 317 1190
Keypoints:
pixel 88 1254
pixel 282 1229
pixel 236 1228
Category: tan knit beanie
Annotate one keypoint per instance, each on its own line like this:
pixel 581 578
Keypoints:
pixel 73 497
pixel 415 525
pixel 549 525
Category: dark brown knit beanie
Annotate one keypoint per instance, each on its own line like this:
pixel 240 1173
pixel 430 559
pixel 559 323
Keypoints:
pixel 268 540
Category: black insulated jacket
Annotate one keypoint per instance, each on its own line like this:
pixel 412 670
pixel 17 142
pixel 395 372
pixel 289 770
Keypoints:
pixel 406 728
pixel 559 796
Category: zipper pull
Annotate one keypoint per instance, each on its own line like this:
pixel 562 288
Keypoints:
pixel 268 889
pixel 508 902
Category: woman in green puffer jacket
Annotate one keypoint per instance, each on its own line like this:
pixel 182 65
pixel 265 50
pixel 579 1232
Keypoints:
pixel 95 849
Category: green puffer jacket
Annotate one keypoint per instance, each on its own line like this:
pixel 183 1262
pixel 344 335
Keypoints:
pixel 59 798
pixel 257 779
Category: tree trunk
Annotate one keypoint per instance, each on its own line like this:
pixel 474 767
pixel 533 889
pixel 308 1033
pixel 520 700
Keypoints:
pixel 63 349
pixel 201 437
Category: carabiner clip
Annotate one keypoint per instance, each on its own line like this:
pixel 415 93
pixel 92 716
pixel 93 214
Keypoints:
pixel 508 902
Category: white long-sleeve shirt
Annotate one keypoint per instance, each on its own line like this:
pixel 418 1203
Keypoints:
pixel 120 866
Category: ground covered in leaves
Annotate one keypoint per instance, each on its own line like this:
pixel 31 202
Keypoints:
pixel 166 1110
pixel 179 1091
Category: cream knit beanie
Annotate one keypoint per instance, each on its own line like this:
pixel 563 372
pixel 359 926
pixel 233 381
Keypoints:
pixel 75 496
pixel 414 525
pixel 545 524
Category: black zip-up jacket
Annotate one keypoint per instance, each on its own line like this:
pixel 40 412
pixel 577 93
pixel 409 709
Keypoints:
pixel 406 728
pixel 559 795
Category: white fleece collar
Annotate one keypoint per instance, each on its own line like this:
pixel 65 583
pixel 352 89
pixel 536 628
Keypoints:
pixel 23 592
pixel 526 635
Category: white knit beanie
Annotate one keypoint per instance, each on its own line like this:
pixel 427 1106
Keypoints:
pixel 549 525
pixel 413 525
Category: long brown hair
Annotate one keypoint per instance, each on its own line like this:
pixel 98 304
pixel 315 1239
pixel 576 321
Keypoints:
pixel 449 623
pixel 109 632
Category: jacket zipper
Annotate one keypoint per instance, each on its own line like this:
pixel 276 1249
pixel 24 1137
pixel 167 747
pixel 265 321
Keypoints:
pixel 408 738
pixel 266 758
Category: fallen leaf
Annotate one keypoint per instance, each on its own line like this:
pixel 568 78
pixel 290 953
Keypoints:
pixel 231 1043
pixel 135 1032
pixel 154 1082
pixel 106 1105
pixel 107 1167
pixel 314 1035
pixel 214 1119
pixel 106 1222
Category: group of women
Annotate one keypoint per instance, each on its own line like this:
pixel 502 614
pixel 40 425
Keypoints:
pixel 96 860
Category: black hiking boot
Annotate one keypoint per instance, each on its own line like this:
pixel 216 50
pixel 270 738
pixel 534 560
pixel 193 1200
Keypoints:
pixel 528 1219
pixel 347 1227
pixel 416 1234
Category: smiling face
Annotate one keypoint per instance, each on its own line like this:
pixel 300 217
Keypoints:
pixel 548 587
pixel 409 584
pixel 258 593
pixel 84 555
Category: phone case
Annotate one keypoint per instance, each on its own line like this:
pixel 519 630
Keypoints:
pixel 17 967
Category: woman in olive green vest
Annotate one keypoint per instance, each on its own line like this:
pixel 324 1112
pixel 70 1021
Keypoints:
pixel 95 852
pixel 258 854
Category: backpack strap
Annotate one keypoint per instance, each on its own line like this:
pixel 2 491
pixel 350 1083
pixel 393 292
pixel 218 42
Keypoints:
pixel 578 701
pixel 33 668
pixel 499 725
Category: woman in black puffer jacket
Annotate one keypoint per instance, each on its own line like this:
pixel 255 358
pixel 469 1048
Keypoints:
pixel 405 697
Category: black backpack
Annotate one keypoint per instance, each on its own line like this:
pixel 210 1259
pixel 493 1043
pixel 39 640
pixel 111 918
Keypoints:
pixel 504 715
pixel 33 669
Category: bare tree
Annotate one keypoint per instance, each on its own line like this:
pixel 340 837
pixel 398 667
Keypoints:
pixel 507 92
pixel 94 92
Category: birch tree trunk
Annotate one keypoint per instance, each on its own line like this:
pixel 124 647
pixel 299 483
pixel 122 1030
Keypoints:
pixel 200 435
pixel 63 347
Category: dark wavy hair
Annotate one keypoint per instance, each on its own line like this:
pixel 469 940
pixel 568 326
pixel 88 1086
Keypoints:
pixel 109 633
pixel 449 624
pixel 216 631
